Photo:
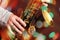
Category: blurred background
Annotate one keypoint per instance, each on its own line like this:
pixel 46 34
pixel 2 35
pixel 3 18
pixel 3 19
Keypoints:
pixel 49 32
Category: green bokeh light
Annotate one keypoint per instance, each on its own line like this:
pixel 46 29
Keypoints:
pixel 44 8
pixel 51 14
pixel 52 34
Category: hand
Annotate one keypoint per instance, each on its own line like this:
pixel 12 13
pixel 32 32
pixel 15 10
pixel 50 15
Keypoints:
pixel 14 23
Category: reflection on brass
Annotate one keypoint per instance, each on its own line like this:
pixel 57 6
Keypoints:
pixel 31 30
pixel 26 36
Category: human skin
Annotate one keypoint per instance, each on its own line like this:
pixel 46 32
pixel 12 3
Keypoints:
pixel 13 19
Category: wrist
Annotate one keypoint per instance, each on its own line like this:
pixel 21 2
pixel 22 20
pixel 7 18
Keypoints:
pixel 4 15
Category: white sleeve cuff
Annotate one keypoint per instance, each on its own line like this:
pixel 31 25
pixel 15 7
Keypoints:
pixel 4 15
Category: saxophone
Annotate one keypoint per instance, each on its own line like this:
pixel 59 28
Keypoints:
pixel 31 15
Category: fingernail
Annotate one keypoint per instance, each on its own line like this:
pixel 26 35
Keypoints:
pixel 25 25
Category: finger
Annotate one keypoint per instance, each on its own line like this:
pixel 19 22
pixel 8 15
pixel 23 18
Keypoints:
pixel 18 25
pixel 45 4
pixel 15 28
pixel 9 28
pixel 21 21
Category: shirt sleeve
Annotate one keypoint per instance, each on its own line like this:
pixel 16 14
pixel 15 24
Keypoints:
pixel 4 16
